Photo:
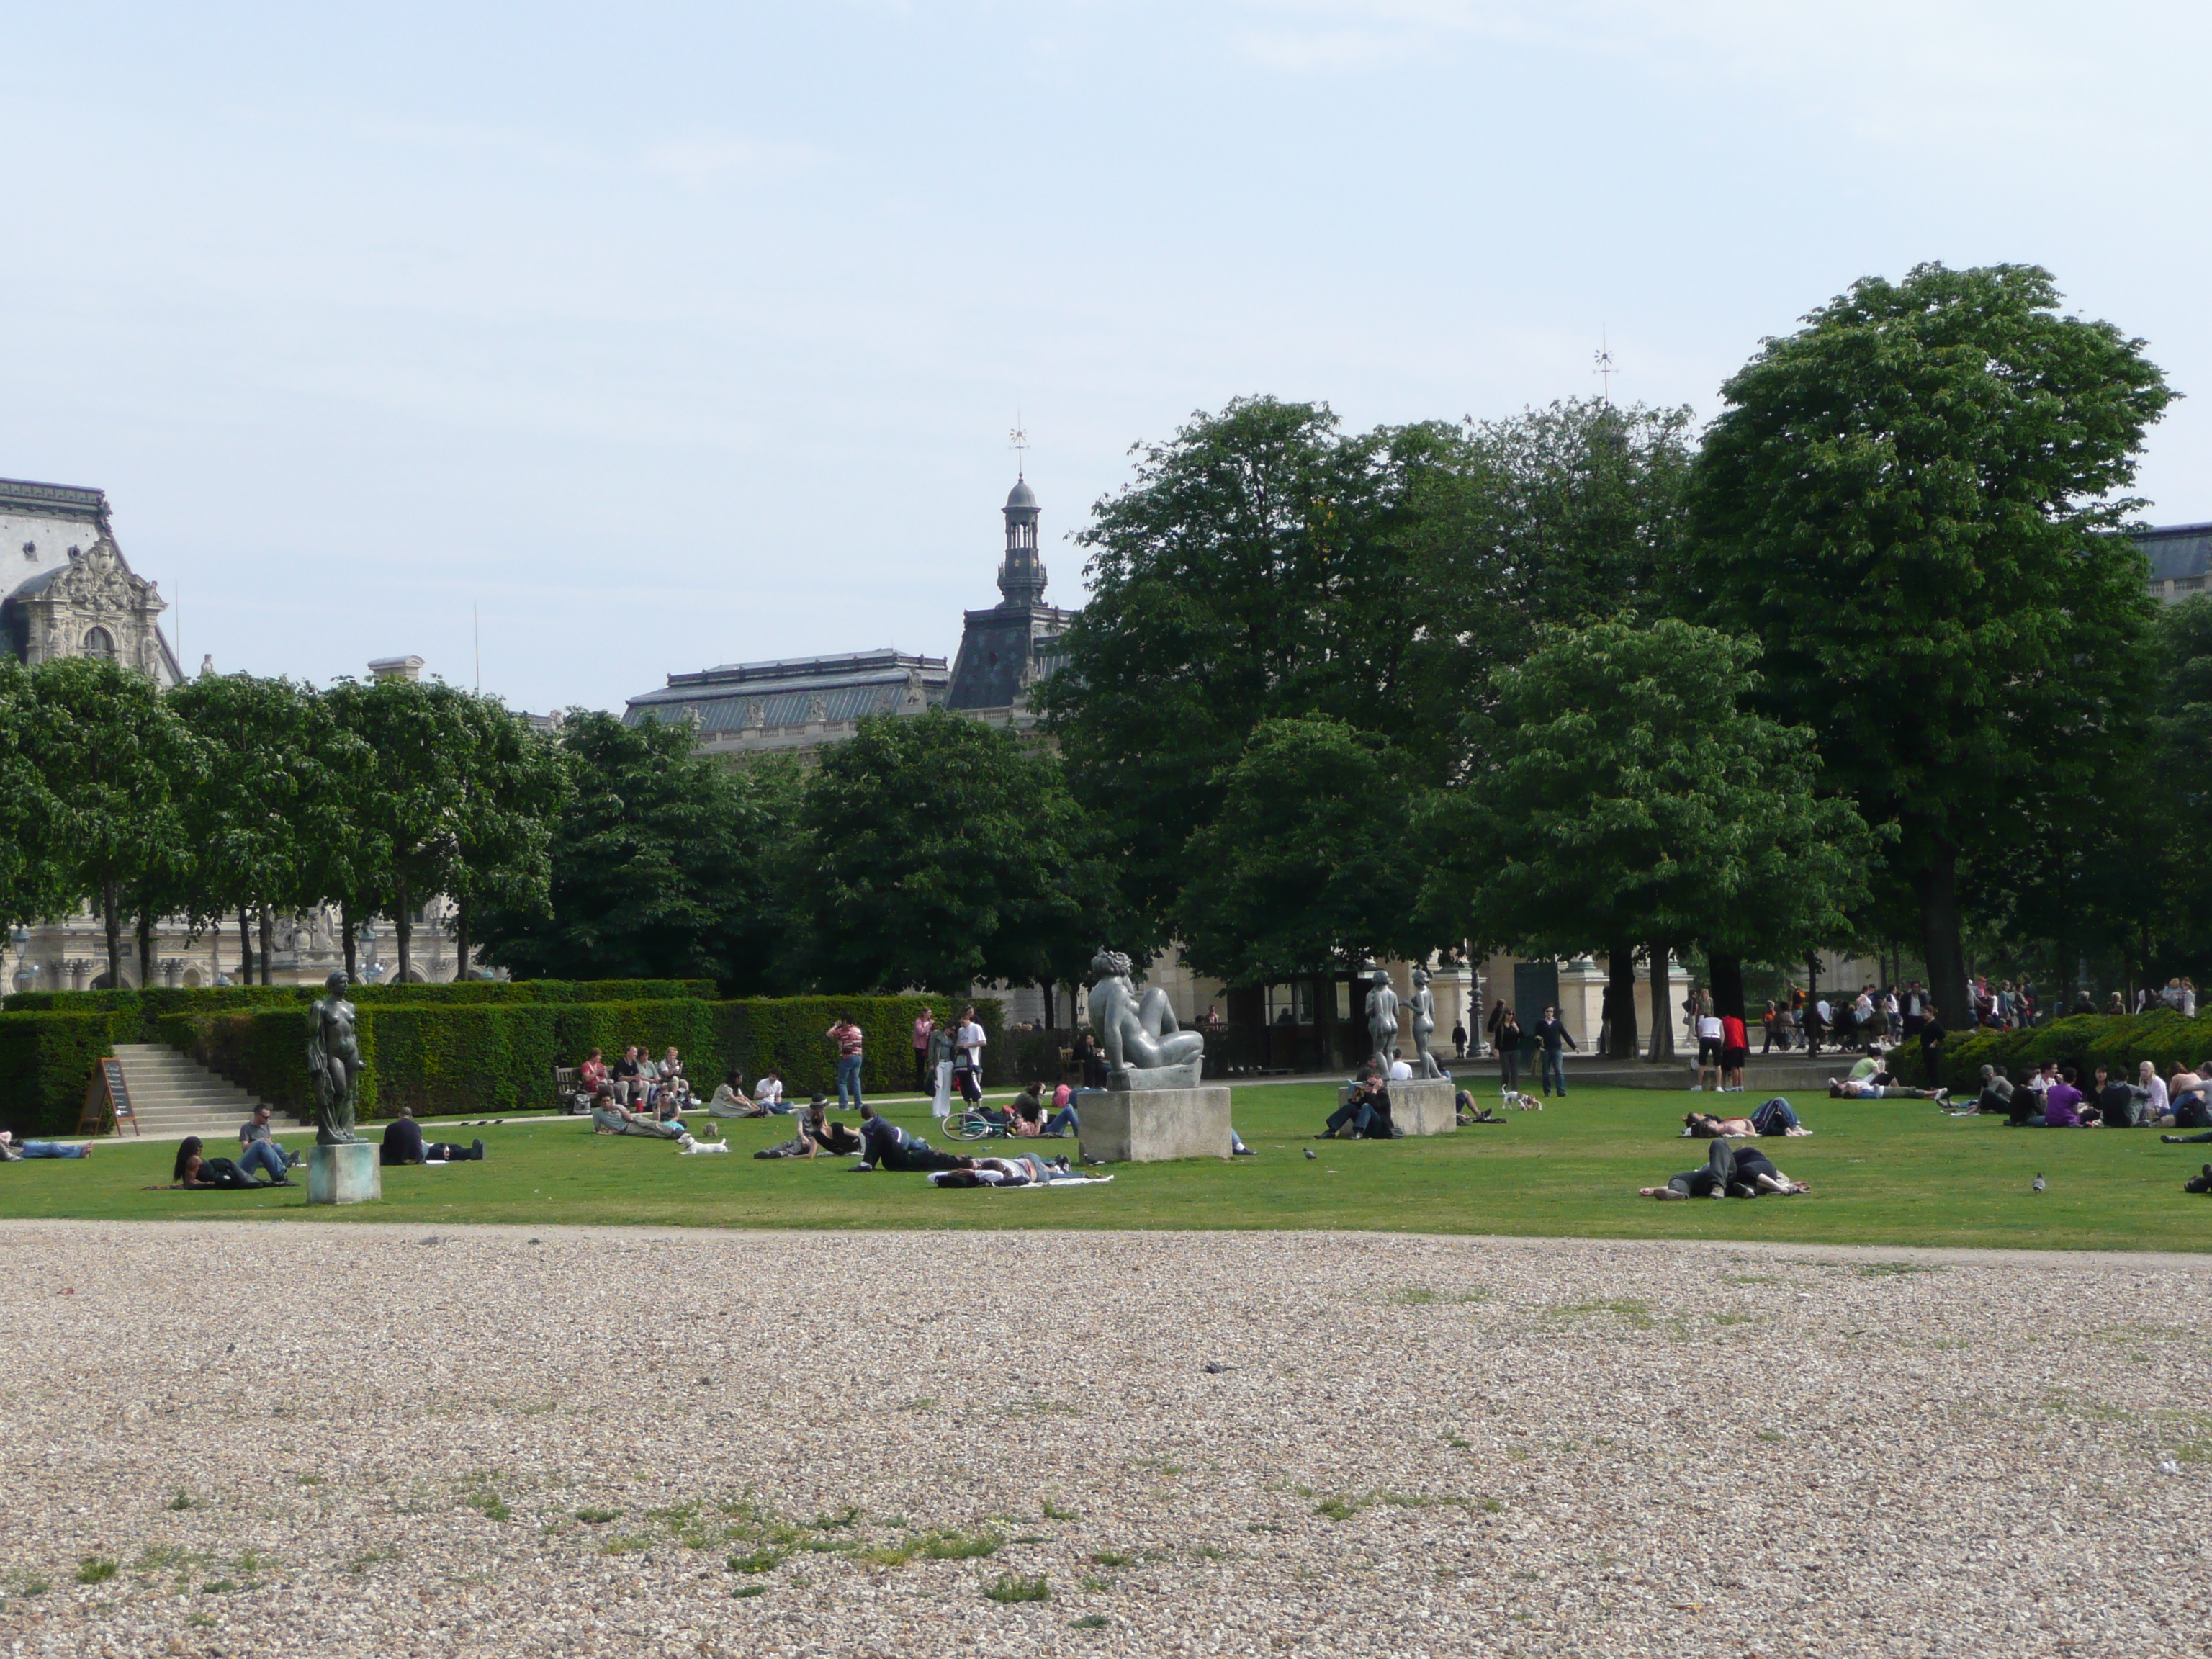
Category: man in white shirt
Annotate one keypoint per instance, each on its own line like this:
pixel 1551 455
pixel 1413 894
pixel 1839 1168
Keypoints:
pixel 1709 1051
pixel 768 1093
pixel 970 1040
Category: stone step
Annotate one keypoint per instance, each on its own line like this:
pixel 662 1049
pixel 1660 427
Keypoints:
pixel 173 1094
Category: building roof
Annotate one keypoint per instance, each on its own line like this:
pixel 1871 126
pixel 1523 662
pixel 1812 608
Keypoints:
pixel 50 501
pixel 2177 551
pixel 793 692
pixel 1021 498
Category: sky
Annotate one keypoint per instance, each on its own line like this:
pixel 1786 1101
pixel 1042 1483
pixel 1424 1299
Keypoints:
pixel 633 340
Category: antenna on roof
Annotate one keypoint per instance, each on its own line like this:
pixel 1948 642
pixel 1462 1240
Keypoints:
pixel 1019 443
pixel 1605 369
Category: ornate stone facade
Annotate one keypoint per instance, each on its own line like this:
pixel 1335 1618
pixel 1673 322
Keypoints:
pixel 66 589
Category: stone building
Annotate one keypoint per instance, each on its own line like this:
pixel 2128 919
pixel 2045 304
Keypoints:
pixel 1015 645
pixel 2180 561
pixel 66 589
pixel 795 706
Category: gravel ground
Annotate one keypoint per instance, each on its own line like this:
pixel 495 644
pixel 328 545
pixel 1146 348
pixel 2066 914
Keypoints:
pixel 382 1441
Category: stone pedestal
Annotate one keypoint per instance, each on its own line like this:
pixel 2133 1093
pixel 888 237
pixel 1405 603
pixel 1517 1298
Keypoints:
pixel 344 1175
pixel 1419 1106
pixel 1152 1126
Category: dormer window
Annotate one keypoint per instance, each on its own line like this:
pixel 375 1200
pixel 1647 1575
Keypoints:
pixel 30 550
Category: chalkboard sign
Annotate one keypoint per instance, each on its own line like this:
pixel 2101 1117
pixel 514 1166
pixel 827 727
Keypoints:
pixel 107 1092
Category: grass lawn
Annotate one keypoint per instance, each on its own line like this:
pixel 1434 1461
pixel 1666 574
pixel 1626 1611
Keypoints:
pixel 1883 1172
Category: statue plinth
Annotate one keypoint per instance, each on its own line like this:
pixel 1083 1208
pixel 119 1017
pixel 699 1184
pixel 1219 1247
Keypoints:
pixel 1418 1106
pixel 350 1173
pixel 1152 1125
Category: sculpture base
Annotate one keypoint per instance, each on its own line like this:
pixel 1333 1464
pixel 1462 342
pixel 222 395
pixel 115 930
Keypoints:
pixel 1152 1079
pixel 1419 1106
pixel 344 1175
pixel 1152 1126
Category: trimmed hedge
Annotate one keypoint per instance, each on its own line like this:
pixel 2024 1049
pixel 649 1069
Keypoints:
pixel 160 1001
pixel 47 1059
pixel 2085 1041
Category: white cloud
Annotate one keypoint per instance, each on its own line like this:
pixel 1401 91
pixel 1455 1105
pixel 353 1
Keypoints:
pixel 709 159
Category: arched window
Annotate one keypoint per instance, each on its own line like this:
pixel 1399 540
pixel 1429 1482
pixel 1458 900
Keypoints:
pixel 99 642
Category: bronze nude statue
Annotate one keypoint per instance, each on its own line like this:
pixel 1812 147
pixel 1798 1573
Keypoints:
pixel 334 1062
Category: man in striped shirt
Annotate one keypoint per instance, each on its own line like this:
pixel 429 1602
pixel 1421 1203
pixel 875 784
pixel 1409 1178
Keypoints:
pixel 847 1037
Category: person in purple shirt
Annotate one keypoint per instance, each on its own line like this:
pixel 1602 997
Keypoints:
pixel 2062 1105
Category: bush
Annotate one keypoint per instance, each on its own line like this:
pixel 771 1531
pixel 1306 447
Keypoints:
pixel 48 1061
pixel 2085 1041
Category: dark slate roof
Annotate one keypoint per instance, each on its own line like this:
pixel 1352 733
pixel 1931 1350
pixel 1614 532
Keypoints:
pixel 2178 551
pixel 853 684
pixel 995 647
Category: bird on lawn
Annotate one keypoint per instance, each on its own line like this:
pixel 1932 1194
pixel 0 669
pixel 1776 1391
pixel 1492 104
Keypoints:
pixel 2037 1185
pixel 1310 1152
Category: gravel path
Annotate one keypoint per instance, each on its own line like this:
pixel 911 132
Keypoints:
pixel 384 1441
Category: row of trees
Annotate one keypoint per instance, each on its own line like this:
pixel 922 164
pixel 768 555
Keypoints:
pixel 1870 661
pixel 228 796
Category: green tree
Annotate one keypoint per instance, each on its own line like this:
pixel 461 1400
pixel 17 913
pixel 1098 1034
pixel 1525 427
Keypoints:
pixel 1252 570
pixel 1552 518
pixel 1306 869
pixel 33 881
pixel 115 758
pixel 661 865
pixel 940 851
pixel 511 787
pixel 1912 503
pixel 1625 795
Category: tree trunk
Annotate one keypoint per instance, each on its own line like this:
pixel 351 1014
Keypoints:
pixel 1324 991
pixel 462 945
pixel 1936 887
pixel 402 926
pixel 1044 989
pixel 268 944
pixel 145 949
pixel 111 914
pixel 1662 1004
pixel 244 949
pixel 345 926
pixel 1726 977
pixel 1620 992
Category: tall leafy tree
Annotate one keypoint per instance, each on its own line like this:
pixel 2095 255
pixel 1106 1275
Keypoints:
pixel 1254 569
pixel 940 851
pixel 33 880
pixel 1912 503
pixel 1306 869
pixel 114 756
pixel 1625 795
pixel 511 785
pixel 661 865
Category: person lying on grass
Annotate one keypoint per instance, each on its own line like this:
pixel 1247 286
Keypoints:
pixel 610 1118
pixel 884 1146
pixel 1773 1117
pixel 14 1151
pixel 817 1135
pixel 1730 1172
pixel 1464 1110
pixel 403 1144
pixel 1028 1171
pixel 197 1173
pixel 1843 1088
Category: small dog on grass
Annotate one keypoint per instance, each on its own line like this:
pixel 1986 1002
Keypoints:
pixel 691 1147
pixel 1514 1101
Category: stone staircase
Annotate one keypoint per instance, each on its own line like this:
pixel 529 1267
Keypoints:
pixel 175 1095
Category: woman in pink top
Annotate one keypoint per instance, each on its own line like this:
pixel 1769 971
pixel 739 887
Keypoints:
pixel 922 1028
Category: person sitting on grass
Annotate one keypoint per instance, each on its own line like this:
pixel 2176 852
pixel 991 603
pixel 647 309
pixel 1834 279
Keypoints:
pixel 403 1144
pixel 1063 1120
pixel 768 1093
pixel 1774 1117
pixel 196 1173
pixel 2187 1091
pixel 1843 1088
pixel 14 1151
pixel 258 1152
pixel 611 1117
pixel 2119 1102
pixel 1366 1113
pixel 730 1099
pixel 2062 1106
pixel 884 1146
pixel 1728 1172
pixel 1026 1116
pixel 1996 1098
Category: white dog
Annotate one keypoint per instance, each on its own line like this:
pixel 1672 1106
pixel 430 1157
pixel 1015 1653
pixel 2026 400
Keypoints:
pixel 1514 1101
pixel 691 1148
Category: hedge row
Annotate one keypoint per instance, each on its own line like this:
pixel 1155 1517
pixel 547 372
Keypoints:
pixel 2085 1041
pixel 499 1057
pixel 46 1061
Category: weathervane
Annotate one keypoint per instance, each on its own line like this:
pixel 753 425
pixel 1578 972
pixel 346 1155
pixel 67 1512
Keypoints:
pixel 1605 370
pixel 1019 443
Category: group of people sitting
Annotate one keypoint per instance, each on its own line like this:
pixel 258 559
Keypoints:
pixel 1025 1113
pixel 258 1152
pixel 2054 1097
pixel 637 1083
pixel 765 1099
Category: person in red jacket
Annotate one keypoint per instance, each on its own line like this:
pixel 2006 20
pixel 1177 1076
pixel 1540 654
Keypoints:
pixel 1735 1049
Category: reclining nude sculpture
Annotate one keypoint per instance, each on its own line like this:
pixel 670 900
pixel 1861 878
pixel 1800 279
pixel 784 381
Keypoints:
pixel 1145 1048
